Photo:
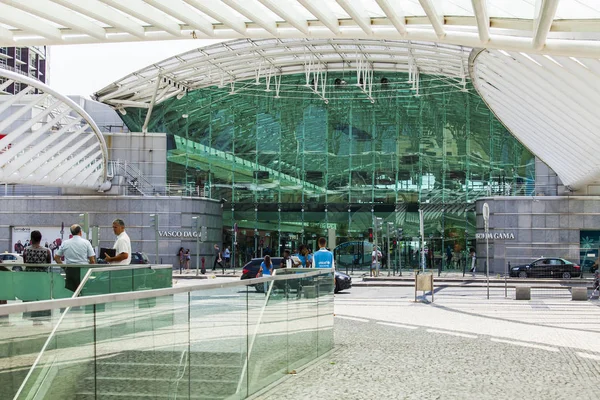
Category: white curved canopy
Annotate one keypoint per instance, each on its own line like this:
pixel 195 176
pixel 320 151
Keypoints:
pixel 263 61
pixel 46 139
pixel 550 103
pixel 568 27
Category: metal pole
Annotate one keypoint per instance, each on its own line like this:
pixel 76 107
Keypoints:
pixel 422 229
pixel 389 255
pixel 486 218
pixel 197 253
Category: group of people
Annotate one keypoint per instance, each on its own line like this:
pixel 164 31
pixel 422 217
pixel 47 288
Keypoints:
pixel 322 258
pixel 220 259
pixel 75 250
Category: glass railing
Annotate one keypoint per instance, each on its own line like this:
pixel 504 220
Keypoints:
pixel 60 281
pixel 218 341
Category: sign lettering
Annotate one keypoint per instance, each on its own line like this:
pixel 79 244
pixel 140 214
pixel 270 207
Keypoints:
pixel 497 235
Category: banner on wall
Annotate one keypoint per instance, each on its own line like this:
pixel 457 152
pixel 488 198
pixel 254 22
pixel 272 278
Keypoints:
pixel 51 237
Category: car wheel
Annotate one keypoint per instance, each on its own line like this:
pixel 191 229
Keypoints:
pixel 337 289
pixel 566 275
pixel 522 274
pixel 17 269
pixel 260 287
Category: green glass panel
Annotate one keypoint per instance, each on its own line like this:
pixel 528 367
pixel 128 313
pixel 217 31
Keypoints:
pixel 142 351
pixel 65 367
pixel 218 343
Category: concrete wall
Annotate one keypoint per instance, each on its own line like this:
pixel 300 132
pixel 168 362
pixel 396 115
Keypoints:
pixel 175 214
pixel 541 225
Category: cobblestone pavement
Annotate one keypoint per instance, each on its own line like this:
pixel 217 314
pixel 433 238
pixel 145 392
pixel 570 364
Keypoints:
pixel 460 347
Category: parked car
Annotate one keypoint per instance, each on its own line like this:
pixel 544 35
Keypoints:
pixel 547 267
pixel 249 271
pixel 137 257
pixel 12 258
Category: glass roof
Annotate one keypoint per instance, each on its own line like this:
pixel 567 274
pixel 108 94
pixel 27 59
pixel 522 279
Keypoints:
pixel 264 62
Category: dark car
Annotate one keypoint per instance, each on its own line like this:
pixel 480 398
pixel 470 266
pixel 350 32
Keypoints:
pixel 249 271
pixel 137 257
pixel 547 267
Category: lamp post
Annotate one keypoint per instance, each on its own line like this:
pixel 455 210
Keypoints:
pixel 422 232
pixel 389 254
pixel 154 224
pixel 486 218
pixel 196 225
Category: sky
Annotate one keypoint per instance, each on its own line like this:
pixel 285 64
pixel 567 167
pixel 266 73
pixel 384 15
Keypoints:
pixel 85 69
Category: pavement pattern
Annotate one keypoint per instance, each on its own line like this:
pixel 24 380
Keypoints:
pixel 463 346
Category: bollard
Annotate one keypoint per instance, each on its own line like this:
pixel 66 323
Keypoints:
pixel 523 293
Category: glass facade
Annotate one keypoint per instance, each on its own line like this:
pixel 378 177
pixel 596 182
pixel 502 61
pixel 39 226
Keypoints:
pixel 290 166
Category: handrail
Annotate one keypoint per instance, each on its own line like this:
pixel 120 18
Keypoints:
pixel 7 309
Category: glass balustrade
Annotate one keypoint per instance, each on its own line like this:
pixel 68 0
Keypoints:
pixel 221 341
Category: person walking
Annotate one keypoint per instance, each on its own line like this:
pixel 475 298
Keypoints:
pixel 323 258
pixel 122 245
pixel 76 250
pixel 266 269
pixel 187 260
pixel 37 254
pixel 218 259
pixel 473 257
pixel 181 255
pixel 227 256
pixel 375 259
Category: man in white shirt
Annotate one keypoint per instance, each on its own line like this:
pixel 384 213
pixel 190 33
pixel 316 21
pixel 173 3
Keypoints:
pixel 76 250
pixel 122 245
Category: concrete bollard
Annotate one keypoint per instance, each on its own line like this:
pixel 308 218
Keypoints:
pixel 579 293
pixel 523 293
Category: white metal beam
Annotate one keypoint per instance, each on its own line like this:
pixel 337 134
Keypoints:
pixel 279 8
pixel 242 7
pixel 62 16
pixel 144 12
pixel 106 14
pixel 6 36
pixel 25 21
pixel 436 19
pixel 319 9
pixel 483 19
pixel 545 11
pixel 179 10
pixel 221 13
pixel 395 14
pixel 358 13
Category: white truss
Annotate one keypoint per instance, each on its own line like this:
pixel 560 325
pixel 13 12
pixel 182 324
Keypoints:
pixel 550 104
pixel 268 59
pixel 46 139
pixel 561 27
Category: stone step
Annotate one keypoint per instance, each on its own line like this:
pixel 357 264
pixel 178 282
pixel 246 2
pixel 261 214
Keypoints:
pixel 141 396
pixel 153 386
pixel 116 368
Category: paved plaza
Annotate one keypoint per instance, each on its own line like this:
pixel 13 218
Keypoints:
pixel 463 346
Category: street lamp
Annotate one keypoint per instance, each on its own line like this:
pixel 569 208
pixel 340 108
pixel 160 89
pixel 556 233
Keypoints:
pixel 154 225
pixel 486 219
